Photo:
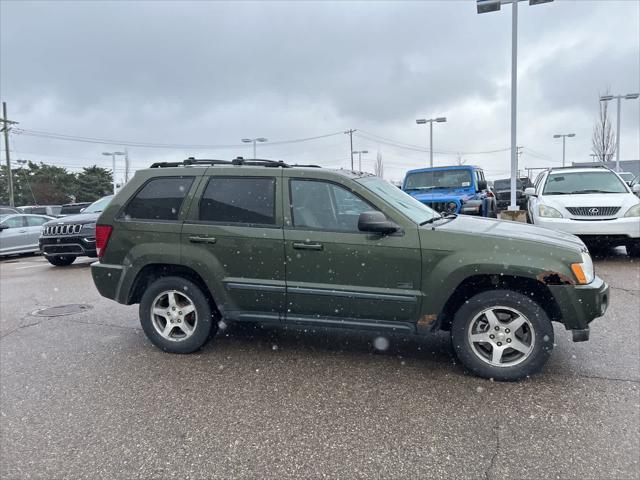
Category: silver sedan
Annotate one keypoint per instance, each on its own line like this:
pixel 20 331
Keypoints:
pixel 19 233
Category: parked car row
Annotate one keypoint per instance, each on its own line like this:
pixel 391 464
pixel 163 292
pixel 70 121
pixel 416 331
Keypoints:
pixel 60 239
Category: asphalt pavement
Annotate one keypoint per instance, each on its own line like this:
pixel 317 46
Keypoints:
pixel 87 396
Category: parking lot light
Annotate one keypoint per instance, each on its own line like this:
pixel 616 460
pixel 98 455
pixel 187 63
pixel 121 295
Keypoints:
pixel 485 6
pixel 113 160
pixel 564 137
pixel 254 140
pixel 423 121
pixel 359 153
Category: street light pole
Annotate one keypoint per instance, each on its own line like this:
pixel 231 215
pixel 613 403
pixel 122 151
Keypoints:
pixel 606 98
pixel 564 137
pixel 485 6
pixel 514 105
pixel 113 163
pixel 422 121
pixel 254 140
pixel 360 152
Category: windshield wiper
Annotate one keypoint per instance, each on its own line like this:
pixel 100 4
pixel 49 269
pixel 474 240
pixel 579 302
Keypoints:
pixel 431 220
pixel 592 191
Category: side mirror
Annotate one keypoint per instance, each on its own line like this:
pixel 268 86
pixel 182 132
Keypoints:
pixel 636 188
pixel 376 222
pixel 482 185
pixel 530 192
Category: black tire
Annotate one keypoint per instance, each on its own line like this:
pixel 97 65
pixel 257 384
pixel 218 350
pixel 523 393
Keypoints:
pixel 204 325
pixel 633 249
pixel 539 332
pixel 61 260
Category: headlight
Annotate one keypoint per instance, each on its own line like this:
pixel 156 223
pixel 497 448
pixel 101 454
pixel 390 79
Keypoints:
pixel 89 226
pixel 633 211
pixel 547 211
pixel 584 271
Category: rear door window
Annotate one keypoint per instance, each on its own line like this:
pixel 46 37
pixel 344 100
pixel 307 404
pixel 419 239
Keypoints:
pixel 245 200
pixel 159 199
pixel 36 221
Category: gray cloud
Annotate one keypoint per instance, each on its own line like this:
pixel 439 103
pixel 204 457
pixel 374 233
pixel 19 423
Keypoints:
pixel 213 72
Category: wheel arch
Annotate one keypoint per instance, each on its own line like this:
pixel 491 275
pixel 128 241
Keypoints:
pixel 152 272
pixel 475 284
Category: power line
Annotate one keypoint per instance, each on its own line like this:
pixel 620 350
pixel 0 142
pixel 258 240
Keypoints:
pixel 129 143
pixel 408 146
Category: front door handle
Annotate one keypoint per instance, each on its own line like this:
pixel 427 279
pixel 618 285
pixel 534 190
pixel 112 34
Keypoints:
pixel 307 246
pixel 197 239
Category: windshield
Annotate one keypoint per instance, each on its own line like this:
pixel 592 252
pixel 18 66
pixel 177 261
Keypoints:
pixel 438 179
pixel 506 184
pixel 98 205
pixel 405 203
pixel 567 183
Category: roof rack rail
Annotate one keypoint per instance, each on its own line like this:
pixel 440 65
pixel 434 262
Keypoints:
pixel 235 161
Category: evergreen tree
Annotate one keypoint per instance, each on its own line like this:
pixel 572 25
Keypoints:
pixel 93 183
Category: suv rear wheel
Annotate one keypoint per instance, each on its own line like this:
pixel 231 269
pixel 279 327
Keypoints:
pixel 176 315
pixel 61 260
pixel 502 335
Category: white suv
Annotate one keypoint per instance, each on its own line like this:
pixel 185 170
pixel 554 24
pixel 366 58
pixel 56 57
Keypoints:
pixel 593 203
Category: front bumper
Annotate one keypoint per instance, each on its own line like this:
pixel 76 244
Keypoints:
pixel 625 226
pixel 580 305
pixel 80 245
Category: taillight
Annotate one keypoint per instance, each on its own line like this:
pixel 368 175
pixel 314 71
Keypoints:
pixel 103 232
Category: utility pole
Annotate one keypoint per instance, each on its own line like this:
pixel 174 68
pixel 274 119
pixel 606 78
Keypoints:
pixel 5 128
pixel 350 133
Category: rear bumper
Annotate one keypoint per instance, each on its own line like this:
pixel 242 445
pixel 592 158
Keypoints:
pixel 108 279
pixel 628 227
pixel 68 245
pixel 580 305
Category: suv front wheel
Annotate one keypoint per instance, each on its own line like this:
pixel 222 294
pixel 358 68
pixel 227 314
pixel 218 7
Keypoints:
pixel 176 315
pixel 502 335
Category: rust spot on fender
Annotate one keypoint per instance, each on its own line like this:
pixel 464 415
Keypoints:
pixel 427 320
pixel 555 278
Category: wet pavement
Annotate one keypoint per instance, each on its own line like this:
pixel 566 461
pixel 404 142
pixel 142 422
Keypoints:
pixel 87 396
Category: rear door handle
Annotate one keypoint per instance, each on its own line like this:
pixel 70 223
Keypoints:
pixel 197 239
pixel 307 246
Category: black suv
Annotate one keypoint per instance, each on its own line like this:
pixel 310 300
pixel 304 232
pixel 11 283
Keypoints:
pixel 64 239
pixel 502 191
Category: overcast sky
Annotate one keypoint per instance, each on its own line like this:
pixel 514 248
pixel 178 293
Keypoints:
pixel 211 73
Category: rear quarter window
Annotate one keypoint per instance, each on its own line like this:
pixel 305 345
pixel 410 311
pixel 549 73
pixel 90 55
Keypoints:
pixel 158 199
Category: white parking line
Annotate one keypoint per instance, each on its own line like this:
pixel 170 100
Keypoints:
pixel 32 266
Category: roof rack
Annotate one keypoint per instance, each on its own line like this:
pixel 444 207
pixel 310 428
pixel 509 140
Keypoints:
pixel 583 166
pixel 236 161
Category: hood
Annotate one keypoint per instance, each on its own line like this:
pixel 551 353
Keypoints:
pixel 591 200
pixel 510 230
pixel 80 218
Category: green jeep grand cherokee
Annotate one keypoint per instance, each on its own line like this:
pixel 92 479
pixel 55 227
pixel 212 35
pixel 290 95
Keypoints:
pixel 197 241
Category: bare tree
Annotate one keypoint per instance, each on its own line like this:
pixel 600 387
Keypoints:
pixel 461 161
pixel 379 167
pixel 603 142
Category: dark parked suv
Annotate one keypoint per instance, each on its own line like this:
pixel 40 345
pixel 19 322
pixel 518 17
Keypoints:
pixel 197 241
pixel 64 239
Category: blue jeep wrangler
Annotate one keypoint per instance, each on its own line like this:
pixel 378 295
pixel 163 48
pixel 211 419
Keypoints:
pixel 457 189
